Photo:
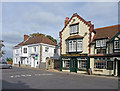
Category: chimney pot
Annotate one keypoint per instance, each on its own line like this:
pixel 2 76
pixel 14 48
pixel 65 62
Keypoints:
pixel 66 21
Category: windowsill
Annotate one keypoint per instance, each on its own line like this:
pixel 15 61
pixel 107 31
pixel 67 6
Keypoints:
pixel 74 33
pixel 75 52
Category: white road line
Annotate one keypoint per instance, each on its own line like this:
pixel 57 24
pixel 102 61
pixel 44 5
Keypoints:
pixel 17 76
pixel 11 76
pixel 42 74
pixel 28 75
pixel 23 75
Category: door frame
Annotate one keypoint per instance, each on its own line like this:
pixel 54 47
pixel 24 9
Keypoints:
pixel 74 62
pixel 118 67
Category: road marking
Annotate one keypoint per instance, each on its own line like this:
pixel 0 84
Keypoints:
pixel 28 75
pixel 17 76
pixel 11 76
pixel 42 74
pixel 23 75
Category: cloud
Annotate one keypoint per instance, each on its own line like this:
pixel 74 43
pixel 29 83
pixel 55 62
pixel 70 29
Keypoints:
pixel 48 18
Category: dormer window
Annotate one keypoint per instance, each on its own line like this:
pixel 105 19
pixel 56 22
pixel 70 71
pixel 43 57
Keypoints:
pixel 74 29
pixel 116 44
pixel 101 43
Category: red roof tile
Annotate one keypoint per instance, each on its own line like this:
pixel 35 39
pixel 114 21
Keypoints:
pixel 74 36
pixel 37 39
pixel 106 32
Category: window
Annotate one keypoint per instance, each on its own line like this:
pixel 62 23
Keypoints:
pixel 66 63
pixel 82 64
pixel 55 51
pixel 116 45
pixel 70 46
pixel 73 46
pixel 34 49
pixel 25 50
pixel 74 29
pixel 100 64
pixel 101 43
pixel 79 45
pixel 101 51
pixel 46 49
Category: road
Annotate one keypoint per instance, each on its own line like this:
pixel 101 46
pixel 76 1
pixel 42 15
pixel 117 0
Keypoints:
pixel 26 78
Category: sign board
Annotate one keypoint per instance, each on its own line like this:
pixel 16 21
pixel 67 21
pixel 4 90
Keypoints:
pixel 74 55
pixel 109 65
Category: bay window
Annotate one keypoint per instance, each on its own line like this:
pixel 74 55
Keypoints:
pixel 74 45
pixel 79 45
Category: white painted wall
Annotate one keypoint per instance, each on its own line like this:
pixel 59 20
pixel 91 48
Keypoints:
pixel 27 58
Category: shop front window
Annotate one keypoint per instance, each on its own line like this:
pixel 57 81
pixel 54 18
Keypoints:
pixel 100 64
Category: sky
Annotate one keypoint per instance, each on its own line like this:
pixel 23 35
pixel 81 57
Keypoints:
pixel 19 18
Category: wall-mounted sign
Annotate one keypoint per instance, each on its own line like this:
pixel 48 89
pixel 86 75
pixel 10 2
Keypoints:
pixel 74 55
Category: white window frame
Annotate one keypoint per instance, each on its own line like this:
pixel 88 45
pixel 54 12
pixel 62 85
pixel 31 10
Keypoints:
pixel 46 49
pixel 24 50
pixel 101 43
pixel 74 28
pixel 100 64
pixel 79 45
pixel 117 46
pixel 34 49
pixel 82 64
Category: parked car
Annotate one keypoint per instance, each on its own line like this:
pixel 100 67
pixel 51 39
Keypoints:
pixel 5 65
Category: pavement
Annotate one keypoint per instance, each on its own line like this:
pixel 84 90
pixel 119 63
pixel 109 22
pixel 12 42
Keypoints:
pixel 30 78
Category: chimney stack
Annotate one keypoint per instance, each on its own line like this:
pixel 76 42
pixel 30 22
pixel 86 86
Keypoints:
pixel 89 22
pixel 66 21
pixel 26 37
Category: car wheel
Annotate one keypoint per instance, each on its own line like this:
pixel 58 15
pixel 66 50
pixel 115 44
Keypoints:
pixel 10 67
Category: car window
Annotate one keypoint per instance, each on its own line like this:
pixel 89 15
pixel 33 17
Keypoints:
pixel 4 63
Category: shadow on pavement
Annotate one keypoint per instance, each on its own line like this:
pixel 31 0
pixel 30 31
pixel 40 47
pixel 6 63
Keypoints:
pixel 18 85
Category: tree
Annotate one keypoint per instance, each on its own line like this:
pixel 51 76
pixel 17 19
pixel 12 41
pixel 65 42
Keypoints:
pixel 1 45
pixel 9 59
pixel 51 38
pixel 48 36
pixel 36 34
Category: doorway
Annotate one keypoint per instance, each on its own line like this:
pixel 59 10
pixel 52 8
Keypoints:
pixel 118 67
pixel 73 65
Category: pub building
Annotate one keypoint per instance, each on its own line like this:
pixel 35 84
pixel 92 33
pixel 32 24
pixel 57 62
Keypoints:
pixel 75 38
pixel 105 51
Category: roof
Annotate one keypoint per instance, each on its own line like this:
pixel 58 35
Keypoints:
pixel 106 32
pixel 76 15
pixel 37 39
pixel 74 37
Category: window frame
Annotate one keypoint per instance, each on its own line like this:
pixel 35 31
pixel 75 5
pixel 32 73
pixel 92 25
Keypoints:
pixel 72 45
pixel 74 29
pixel 101 43
pixel 25 50
pixel 118 46
pixel 46 49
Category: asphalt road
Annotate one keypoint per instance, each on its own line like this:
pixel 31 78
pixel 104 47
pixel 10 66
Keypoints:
pixel 24 78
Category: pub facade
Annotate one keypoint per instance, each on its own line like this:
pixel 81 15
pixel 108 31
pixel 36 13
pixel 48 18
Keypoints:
pixel 75 40
pixel 105 51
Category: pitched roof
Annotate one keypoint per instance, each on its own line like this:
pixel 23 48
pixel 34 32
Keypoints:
pixel 37 39
pixel 76 15
pixel 73 37
pixel 106 32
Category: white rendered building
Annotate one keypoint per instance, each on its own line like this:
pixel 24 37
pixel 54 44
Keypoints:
pixel 34 51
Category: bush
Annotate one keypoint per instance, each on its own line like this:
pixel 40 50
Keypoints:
pixel 9 59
